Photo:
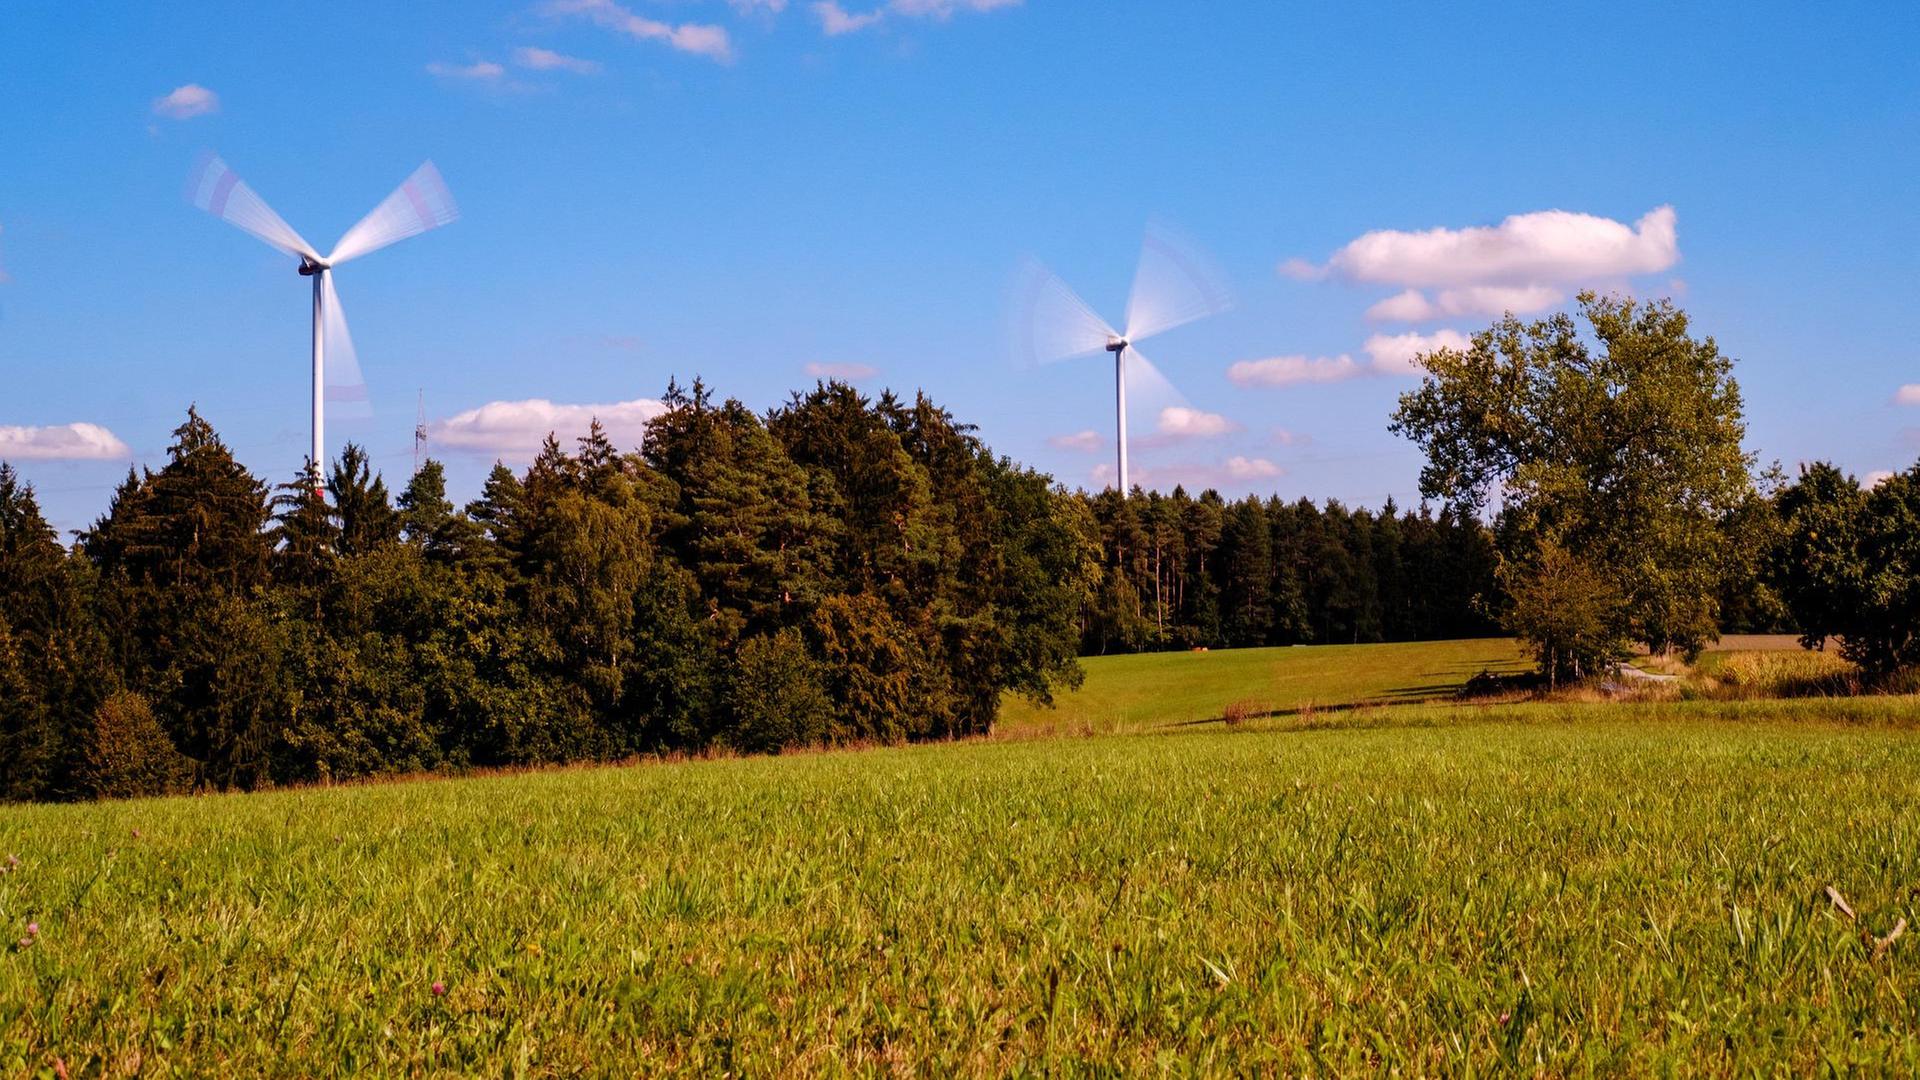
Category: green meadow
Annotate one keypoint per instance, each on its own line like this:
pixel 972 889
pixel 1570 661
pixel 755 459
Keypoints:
pixel 1412 888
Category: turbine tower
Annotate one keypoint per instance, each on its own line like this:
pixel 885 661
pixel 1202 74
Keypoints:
pixel 1173 285
pixel 420 203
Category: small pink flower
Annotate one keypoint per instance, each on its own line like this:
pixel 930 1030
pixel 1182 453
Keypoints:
pixel 439 989
pixel 33 929
pixel 136 834
pixel 1504 1017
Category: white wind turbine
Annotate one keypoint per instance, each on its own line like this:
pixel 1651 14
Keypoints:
pixel 420 203
pixel 1173 285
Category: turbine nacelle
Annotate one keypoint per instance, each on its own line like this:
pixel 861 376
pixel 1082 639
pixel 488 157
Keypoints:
pixel 310 266
pixel 1115 343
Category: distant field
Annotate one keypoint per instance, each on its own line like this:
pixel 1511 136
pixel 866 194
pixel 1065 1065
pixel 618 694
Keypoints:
pixel 1447 889
pixel 1162 690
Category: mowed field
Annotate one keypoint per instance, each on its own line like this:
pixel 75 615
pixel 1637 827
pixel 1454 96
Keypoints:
pixel 1427 888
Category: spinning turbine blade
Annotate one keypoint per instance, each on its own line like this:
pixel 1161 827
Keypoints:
pixel 1175 284
pixel 1050 321
pixel 1149 393
pixel 420 203
pixel 345 390
pixel 217 189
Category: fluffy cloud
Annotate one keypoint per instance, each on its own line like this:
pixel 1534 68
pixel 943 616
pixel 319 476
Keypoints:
pixel 538 59
pixel 187 102
pixel 1235 471
pixel 1548 246
pixel 1180 422
pixel 836 20
pixel 1877 477
pixel 1907 395
pixel 1283 437
pixel 63 442
pixel 1246 468
pixel 1525 264
pixel 516 428
pixel 1393 354
pixel 1493 300
pixel 844 372
pixel 701 39
pixel 479 70
pixel 1083 442
pixel 1289 370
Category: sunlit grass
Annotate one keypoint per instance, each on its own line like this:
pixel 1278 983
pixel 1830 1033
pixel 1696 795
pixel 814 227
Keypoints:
pixel 1433 889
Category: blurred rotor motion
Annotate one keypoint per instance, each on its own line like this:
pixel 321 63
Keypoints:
pixel 1173 285
pixel 420 203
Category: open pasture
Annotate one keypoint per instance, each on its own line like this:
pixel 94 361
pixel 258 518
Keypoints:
pixel 1429 888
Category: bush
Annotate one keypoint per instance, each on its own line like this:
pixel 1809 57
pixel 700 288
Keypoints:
pixel 1239 712
pixel 128 753
pixel 777 696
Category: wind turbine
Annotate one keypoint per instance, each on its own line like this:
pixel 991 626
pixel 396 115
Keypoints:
pixel 421 202
pixel 1172 286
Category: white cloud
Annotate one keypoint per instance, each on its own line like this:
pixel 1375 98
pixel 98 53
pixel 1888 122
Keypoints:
pixel 1544 247
pixel 1283 437
pixel 1246 468
pixel 1907 395
pixel 1494 300
pixel 62 442
pixel 701 39
pixel 516 428
pixel 748 7
pixel 836 20
pixel 845 372
pixel 1393 354
pixel 479 70
pixel 538 59
pixel 1194 475
pixel 1084 442
pixel 1877 477
pixel 187 102
pixel 1180 422
pixel 1289 370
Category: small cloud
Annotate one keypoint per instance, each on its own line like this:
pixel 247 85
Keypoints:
pixel 1081 442
pixel 1395 354
pixel 478 71
pixel 1283 437
pixel 1877 477
pixel 1246 468
pixel 748 7
pixel 1180 422
pixel 187 102
pixel 517 428
pixel 1907 395
pixel 538 59
pixel 1289 370
pixel 63 442
pixel 845 372
pixel 700 39
pixel 1301 270
pixel 836 20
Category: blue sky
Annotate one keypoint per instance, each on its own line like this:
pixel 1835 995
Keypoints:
pixel 729 190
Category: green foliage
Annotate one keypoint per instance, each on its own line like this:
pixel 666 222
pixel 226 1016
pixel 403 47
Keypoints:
pixel 776 697
pixel 1568 609
pixel 1625 448
pixel 1850 564
pixel 127 753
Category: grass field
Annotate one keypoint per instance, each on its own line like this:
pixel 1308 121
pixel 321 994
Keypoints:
pixel 1430 888
pixel 1161 691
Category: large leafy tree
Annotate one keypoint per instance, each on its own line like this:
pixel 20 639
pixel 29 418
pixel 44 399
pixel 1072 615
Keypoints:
pixel 1622 442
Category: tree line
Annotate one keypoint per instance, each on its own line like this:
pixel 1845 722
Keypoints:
pixel 836 570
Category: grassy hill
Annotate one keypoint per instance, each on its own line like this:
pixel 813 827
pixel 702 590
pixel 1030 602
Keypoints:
pixel 1164 690
pixel 1430 889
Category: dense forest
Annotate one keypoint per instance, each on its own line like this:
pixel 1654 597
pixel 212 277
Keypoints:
pixel 836 570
